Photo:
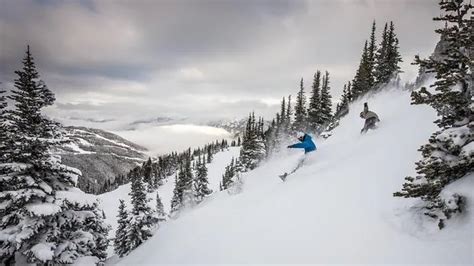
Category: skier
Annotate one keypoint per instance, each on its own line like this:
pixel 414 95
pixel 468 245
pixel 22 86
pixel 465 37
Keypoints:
pixel 307 144
pixel 370 119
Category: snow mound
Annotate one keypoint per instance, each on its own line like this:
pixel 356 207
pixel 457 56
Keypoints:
pixel 337 208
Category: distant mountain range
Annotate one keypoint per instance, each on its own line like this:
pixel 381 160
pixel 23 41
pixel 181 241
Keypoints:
pixel 100 155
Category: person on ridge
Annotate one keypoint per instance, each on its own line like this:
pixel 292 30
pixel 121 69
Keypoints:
pixel 306 143
pixel 370 117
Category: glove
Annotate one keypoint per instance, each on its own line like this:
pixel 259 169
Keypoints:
pixel 289 147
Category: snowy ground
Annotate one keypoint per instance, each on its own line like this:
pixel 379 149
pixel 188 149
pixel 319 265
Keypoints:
pixel 338 208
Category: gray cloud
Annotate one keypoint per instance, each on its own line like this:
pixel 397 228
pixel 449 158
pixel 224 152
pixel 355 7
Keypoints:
pixel 114 59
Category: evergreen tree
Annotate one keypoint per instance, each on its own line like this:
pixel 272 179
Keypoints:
pixel 380 72
pixel 209 154
pixel 5 136
pixel 362 79
pixel 253 144
pixel 228 176
pixel 148 175
pixel 41 211
pixel 343 106
pixel 449 155
pixel 177 196
pixel 326 103
pixel 371 54
pixel 201 184
pixel 300 109
pixel 388 56
pixel 121 242
pixel 143 220
pixel 160 210
pixel 187 183
pixel 314 109
pixel 283 111
pixel 289 113
pixel 393 55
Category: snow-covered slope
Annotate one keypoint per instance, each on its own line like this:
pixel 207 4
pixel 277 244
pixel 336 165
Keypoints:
pixel 338 208
pixel 100 155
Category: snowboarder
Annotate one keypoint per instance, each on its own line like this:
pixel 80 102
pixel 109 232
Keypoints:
pixel 370 119
pixel 307 144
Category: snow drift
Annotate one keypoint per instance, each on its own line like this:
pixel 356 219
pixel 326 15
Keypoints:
pixel 338 208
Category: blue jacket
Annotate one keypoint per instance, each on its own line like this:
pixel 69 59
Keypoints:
pixel 307 144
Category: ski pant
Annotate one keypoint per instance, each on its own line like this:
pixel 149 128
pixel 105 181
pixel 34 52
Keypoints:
pixel 369 124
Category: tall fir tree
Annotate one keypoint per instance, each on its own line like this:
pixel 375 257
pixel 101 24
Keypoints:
pixel 343 105
pixel 121 241
pixel 229 174
pixel 449 155
pixel 326 103
pixel 282 112
pixel 5 137
pixel 201 184
pixel 371 54
pixel 289 113
pixel 300 110
pixel 314 110
pixel 362 79
pixel 388 56
pixel 380 71
pixel 177 196
pixel 42 212
pixel 253 144
pixel 143 218
pixel 148 178
pixel 160 210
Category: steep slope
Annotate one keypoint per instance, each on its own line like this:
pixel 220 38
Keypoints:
pixel 100 155
pixel 338 208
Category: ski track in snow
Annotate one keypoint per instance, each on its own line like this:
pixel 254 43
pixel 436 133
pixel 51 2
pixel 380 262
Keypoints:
pixel 337 208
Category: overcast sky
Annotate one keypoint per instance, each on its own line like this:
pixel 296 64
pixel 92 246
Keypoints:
pixel 199 59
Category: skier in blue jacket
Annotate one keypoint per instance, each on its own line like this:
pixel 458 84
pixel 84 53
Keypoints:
pixel 306 143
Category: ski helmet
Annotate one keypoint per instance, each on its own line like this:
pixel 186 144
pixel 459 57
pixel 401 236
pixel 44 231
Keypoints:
pixel 300 134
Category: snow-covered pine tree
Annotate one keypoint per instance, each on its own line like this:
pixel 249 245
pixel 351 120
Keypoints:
pixel 282 112
pixel 289 113
pixel 326 103
pixel 314 109
pixel 449 155
pixel 160 210
pixel 228 176
pixel 5 138
pixel 187 182
pixel 371 54
pixel 253 145
pixel 393 54
pixel 300 110
pixel 362 79
pixel 121 241
pixel 380 71
pixel 177 196
pixel 201 184
pixel 148 175
pixel 143 219
pixel 343 106
pixel 43 216
pixel 388 56
pixel 209 154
